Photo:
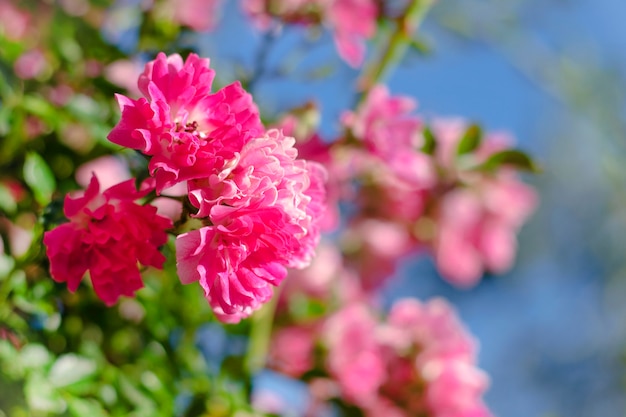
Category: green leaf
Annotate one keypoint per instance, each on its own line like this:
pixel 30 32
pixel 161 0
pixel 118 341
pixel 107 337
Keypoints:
pixel 420 46
pixel 80 407
pixel 430 141
pixel 42 396
pixel 41 108
pixel 86 109
pixel 470 141
pixel 70 369
pixel 510 157
pixel 7 202
pixel 39 178
pixel 134 395
pixel 34 356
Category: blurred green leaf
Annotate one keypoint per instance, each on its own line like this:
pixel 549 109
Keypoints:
pixel 42 396
pixel 86 109
pixel 70 369
pixel 39 106
pixel 39 178
pixel 34 356
pixel 430 141
pixel 420 46
pixel 7 202
pixel 134 395
pixel 470 141
pixel 79 407
pixel 510 157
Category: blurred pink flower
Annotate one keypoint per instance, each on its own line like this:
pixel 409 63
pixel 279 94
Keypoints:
pixel 354 355
pixel 199 15
pixel 291 351
pixel 31 64
pixel 375 248
pixel 14 22
pixel 302 125
pixel 107 235
pixel 124 73
pixel 318 278
pixel 19 235
pixel 109 170
pixel 352 22
pixel 389 132
pixel 477 222
pixel 431 349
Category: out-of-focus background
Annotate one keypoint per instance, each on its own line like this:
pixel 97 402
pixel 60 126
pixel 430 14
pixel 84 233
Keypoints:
pixel 552 73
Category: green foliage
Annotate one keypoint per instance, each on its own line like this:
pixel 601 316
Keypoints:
pixel 511 157
pixel 39 177
pixel 430 141
pixel 470 141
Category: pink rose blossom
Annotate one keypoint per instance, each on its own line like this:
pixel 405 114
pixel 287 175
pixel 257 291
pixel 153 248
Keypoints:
pixel 188 131
pixel 264 209
pixel 107 235
pixel 258 206
pixel 267 174
pixel 237 266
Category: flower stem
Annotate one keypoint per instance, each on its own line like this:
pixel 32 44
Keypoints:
pixel 260 335
pixel 395 48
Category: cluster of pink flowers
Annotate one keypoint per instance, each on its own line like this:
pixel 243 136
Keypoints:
pixel 351 21
pixel 437 200
pixel 252 208
pixel 477 220
pixel 107 235
pixel 256 204
pixel 419 361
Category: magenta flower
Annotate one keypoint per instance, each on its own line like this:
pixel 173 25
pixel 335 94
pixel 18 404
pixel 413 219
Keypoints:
pixel 264 212
pixel 186 130
pixel 107 235
pixel 258 207
pixel 236 267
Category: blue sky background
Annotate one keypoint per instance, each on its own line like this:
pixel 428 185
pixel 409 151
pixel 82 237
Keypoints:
pixel 552 72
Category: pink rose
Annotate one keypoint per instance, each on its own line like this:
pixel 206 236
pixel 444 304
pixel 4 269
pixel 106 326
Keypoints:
pixel 107 235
